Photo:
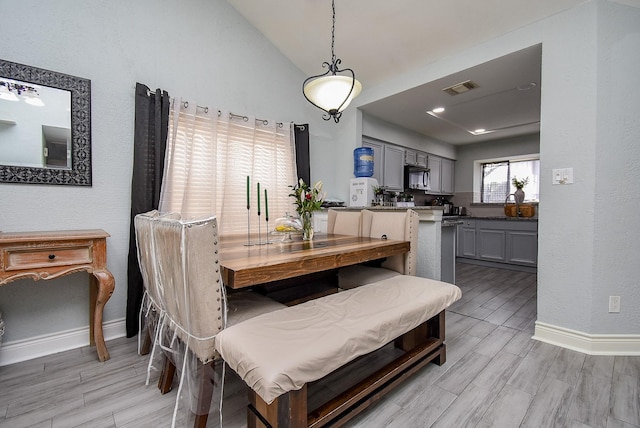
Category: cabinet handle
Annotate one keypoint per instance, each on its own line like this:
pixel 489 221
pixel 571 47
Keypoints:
pixel 52 256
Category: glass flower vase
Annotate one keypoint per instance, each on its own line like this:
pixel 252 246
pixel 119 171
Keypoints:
pixel 307 226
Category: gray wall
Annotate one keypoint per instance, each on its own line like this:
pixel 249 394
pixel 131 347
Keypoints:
pixel 589 122
pixel 202 50
pixel 385 131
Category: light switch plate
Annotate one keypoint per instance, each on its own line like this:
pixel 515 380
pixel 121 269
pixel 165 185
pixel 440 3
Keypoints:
pixel 562 176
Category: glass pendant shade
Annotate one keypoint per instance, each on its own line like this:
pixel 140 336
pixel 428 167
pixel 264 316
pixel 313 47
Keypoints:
pixel 332 93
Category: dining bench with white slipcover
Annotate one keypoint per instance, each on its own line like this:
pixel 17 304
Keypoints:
pixel 280 353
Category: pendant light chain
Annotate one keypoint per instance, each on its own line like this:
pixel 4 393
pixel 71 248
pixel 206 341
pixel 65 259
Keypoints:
pixel 332 92
pixel 333 31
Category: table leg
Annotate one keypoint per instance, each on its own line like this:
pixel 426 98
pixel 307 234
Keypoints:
pixel 102 286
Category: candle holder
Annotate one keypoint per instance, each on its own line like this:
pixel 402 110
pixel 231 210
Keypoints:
pixel 259 232
pixel 248 244
pixel 266 232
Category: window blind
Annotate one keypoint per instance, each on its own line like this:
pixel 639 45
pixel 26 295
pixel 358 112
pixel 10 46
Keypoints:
pixel 209 156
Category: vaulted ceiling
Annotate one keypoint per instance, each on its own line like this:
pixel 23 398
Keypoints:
pixel 379 39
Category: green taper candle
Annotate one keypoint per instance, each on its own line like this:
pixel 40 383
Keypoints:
pixel 266 206
pixel 248 191
pixel 258 198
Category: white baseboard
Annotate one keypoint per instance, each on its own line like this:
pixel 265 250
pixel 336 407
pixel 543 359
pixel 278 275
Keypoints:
pixel 38 346
pixel 591 344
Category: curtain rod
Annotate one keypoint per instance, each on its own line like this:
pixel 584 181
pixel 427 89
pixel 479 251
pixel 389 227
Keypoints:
pixel 234 116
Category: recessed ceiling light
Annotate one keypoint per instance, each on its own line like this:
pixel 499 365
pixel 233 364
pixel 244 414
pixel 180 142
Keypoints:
pixel 479 131
pixel 438 110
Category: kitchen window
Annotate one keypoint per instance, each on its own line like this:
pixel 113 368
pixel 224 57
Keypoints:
pixel 496 179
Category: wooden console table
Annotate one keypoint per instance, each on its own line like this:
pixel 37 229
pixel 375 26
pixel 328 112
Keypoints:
pixel 48 255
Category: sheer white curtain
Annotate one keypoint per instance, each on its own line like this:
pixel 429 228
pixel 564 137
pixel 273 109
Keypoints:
pixel 209 155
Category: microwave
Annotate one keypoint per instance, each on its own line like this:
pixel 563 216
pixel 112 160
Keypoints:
pixel 416 177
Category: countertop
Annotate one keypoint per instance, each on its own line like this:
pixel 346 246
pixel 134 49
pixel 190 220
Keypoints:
pixel 390 208
pixel 490 218
pixel 437 209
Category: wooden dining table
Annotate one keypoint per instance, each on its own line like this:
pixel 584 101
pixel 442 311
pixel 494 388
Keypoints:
pixel 248 265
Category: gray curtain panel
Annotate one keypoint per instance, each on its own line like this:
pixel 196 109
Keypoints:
pixel 301 133
pixel 150 142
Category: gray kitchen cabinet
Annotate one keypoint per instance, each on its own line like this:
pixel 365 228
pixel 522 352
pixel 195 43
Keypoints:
pixel 513 242
pixel 522 247
pixel 388 164
pixel 447 176
pixel 421 159
pixel 393 175
pixel 434 163
pixel 491 243
pixel 467 239
pixel 415 158
pixel 410 157
pixel 441 175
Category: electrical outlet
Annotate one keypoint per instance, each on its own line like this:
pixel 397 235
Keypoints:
pixel 614 304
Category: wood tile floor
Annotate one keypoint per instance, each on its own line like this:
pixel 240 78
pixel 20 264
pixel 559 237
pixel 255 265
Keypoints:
pixel 495 376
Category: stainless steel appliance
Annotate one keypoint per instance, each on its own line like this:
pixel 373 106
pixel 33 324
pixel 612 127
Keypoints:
pixel 416 177
pixel 447 208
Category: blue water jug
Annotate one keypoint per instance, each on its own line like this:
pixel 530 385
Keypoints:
pixel 363 162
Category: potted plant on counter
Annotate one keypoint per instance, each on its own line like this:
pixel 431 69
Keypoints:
pixel 519 184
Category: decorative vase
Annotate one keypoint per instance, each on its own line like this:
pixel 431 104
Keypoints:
pixel 307 226
pixel 519 195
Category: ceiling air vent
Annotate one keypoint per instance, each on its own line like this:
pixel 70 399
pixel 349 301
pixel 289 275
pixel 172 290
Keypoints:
pixel 459 88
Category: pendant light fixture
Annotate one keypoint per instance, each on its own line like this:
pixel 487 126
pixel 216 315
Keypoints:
pixel 330 91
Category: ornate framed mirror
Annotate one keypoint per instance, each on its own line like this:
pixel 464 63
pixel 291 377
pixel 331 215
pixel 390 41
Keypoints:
pixel 45 126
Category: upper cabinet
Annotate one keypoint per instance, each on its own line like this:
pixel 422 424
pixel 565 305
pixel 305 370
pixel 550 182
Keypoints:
pixel 410 157
pixel 394 168
pixel 434 163
pixel 421 159
pixel 389 161
pixel 447 167
pixel 441 175
pixel 415 158
pixel 388 164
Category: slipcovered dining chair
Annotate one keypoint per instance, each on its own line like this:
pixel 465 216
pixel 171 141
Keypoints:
pixel 398 225
pixel 180 260
pixel 150 310
pixel 344 222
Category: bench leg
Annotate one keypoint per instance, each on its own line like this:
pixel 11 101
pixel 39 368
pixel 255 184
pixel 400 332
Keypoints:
pixel 287 411
pixel 433 328
pixel 442 356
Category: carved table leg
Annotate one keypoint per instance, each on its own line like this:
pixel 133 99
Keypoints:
pixel 102 286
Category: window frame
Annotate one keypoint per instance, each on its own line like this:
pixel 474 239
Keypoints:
pixel 478 175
